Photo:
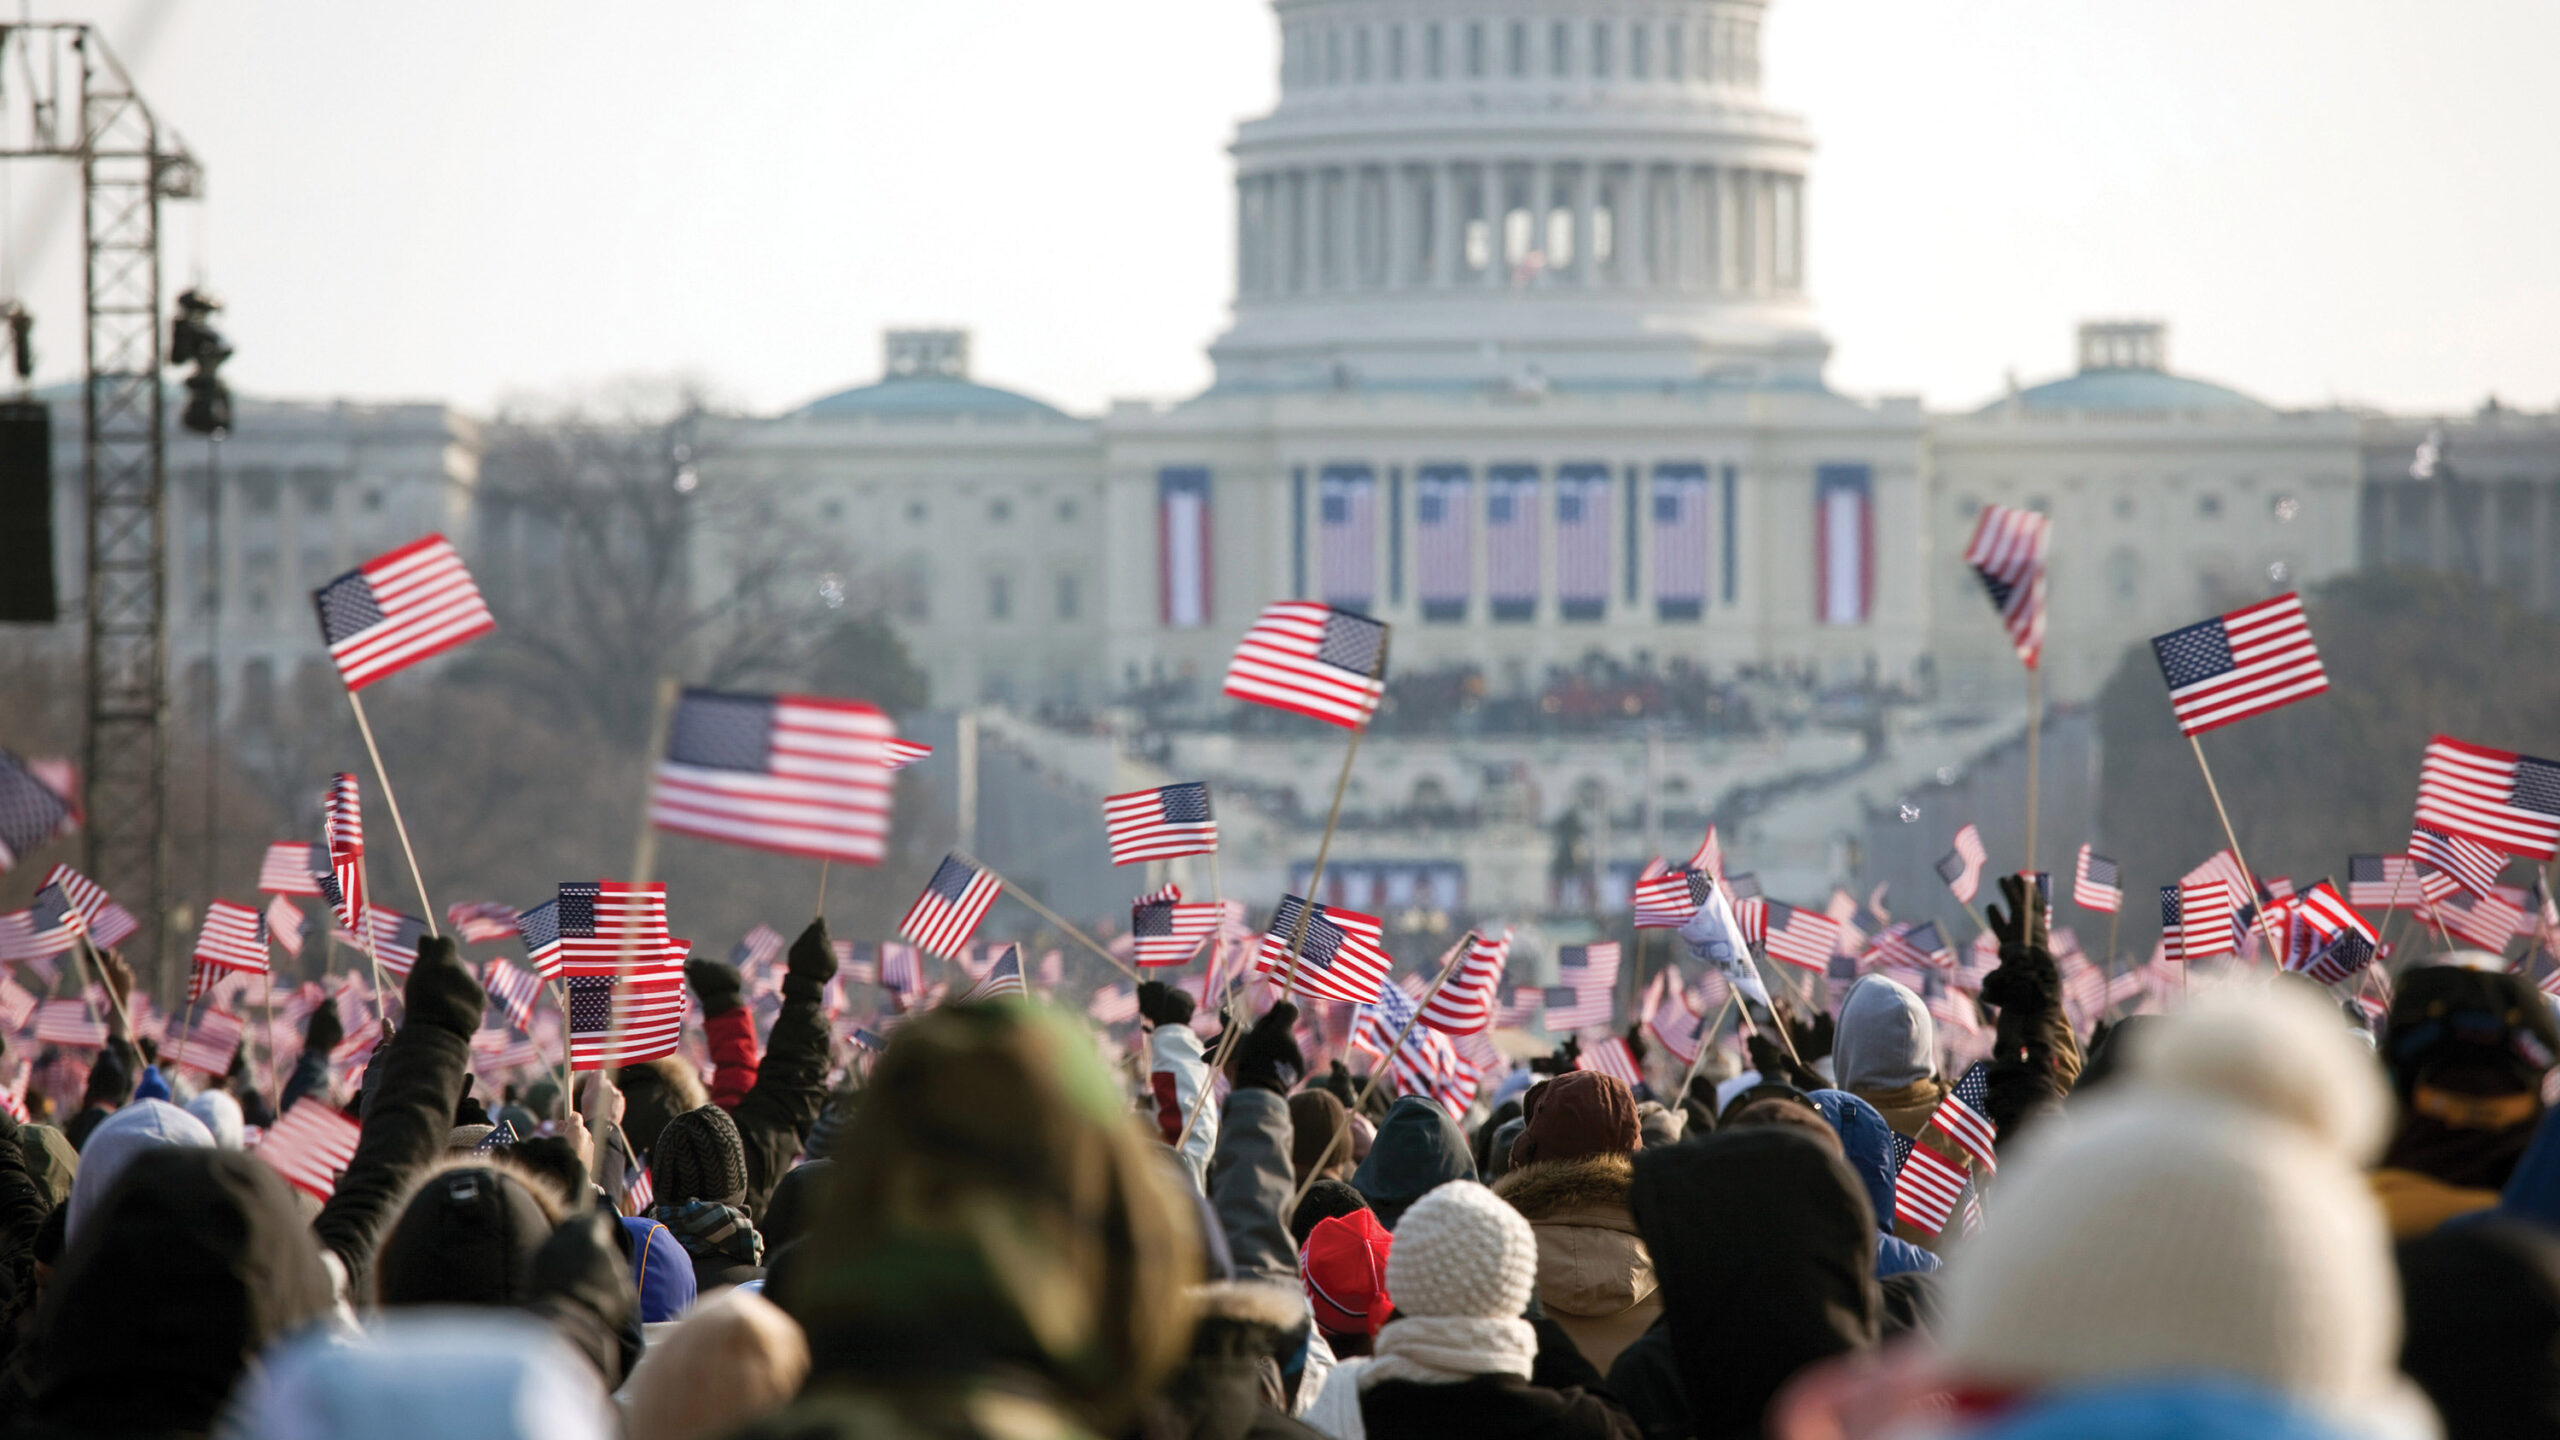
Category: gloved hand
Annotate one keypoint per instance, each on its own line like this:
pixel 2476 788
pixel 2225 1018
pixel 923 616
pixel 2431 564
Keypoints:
pixel 1338 1079
pixel 812 963
pixel 2025 923
pixel 441 991
pixel 1563 1058
pixel 717 985
pixel 1771 1060
pixel 1813 1041
pixel 1268 1057
pixel 1160 1004
pixel 1635 1043
pixel 322 1032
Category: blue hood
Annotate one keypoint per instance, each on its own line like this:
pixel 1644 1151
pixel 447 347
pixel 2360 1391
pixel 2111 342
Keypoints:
pixel 1867 1143
pixel 2165 1409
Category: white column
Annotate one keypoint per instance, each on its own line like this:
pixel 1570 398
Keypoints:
pixel 1399 202
pixel 1585 199
pixel 1447 229
pixel 1346 230
pixel 1683 241
pixel 1642 249
pixel 1541 182
pixel 1496 210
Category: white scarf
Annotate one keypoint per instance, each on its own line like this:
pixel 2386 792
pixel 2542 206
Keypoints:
pixel 1426 1350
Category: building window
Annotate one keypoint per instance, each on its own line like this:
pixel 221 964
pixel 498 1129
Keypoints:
pixel 1067 510
pixel 1639 58
pixel 1560 50
pixel 1519 50
pixel 258 491
pixel 373 499
pixel 1360 54
pixel 1675 57
pixel 999 597
pixel 1431 66
pixel 2124 576
pixel 1600 49
pixel 831 510
pixel 1475 49
pixel 1967 508
pixel 1000 509
pixel 317 486
pixel 1395 52
pixel 2209 507
pixel 1070 598
pixel 1333 57
pixel 915 510
pixel 2039 505
pixel 2124 507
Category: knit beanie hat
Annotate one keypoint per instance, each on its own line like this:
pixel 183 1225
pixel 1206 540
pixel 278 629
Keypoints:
pixel 2479 1033
pixel 1462 1251
pixel 2206 1215
pixel 1578 1113
pixel 1320 1133
pixel 699 1157
pixel 1344 1267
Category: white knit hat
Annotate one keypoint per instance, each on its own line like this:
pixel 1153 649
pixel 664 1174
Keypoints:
pixel 1460 1251
pixel 2208 1216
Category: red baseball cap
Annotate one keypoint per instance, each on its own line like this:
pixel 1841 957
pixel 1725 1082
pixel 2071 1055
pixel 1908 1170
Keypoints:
pixel 1344 1265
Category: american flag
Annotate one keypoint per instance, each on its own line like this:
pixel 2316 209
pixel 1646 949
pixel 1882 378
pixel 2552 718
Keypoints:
pixel 2224 866
pixel 1523 1005
pixel 45 929
pixel 1675 1027
pixel 1347 536
pixel 1926 1189
pixel 1961 867
pixel 1679 541
pixel 1511 540
pixel 233 937
pixel 2341 941
pixel 479 921
pixel 1582 541
pixel 1002 980
pixel 31 812
pixel 1709 860
pixel 1312 660
pixel 1919 946
pixel 1667 900
pixel 1444 541
pixel 109 923
pixel 292 867
pixel 2007 552
pixel 2097 883
pixel 1610 1056
pixel 1114 1005
pixel 1802 938
pixel 67 1022
pixel 399 608
pixel 342 829
pixel 285 925
pixel 1589 967
pixel 901 968
pixel 607 925
pixel 1160 824
pixel 1168 931
pixel 898 754
pixel 2255 659
pixel 1963 1116
pixel 2506 801
pixel 311 1147
pixel 2436 885
pixel 1465 1002
pixel 1718 937
pixel 1578 1007
pixel 798 774
pixel 211 1042
pixel 395 940
pixel 17 1005
pixel 1843 910
pixel 2084 987
pixel 954 901
pixel 638 1192
pixel 625 1020
pixel 1425 1064
pixel 1341 958
pixel 514 991
pixel 539 928
pixel 2468 861
pixel 2488 921
pixel 2208 912
pixel 760 947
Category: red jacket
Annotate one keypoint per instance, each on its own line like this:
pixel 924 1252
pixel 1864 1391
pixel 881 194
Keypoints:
pixel 732 1034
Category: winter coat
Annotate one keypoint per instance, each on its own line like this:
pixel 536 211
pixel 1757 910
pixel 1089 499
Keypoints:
pixel 1417 1151
pixel 1489 1407
pixel 791 1082
pixel 1001 1252
pixel 1176 1075
pixel 2179 1409
pixel 1251 1184
pixel 1763 1241
pixel 2416 1204
pixel 731 1038
pixel 1866 1142
pixel 1595 1278
pixel 2482 1305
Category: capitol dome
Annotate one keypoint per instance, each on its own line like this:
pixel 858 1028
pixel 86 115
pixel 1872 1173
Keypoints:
pixel 2124 371
pixel 1591 191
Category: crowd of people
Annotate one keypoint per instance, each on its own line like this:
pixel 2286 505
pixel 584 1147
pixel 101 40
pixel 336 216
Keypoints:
pixel 2250 1216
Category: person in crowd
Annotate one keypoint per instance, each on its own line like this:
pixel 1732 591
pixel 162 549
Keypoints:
pixel 1885 1051
pixel 2480 1300
pixel 1000 1254
pixel 1178 1075
pixel 425 1376
pixel 1763 1241
pixel 698 1181
pixel 1866 1142
pixel 1457 1358
pixel 1570 1171
pixel 661 1271
pixel 1418 1150
pixel 1344 1264
pixel 1320 1131
pixel 1324 1200
pixel 776 1110
pixel 2466 1048
pixel 218 1111
pixel 734 1359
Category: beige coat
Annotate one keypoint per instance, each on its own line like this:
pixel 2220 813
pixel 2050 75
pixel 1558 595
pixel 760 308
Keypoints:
pixel 1595 1279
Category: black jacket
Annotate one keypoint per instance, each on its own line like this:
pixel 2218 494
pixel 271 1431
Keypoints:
pixel 1490 1407
pixel 1764 1244
pixel 791 1081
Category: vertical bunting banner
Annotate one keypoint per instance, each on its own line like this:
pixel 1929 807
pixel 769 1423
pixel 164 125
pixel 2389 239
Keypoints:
pixel 1679 541
pixel 1444 541
pixel 1582 541
pixel 1511 540
pixel 1182 547
pixel 1844 544
pixel 1347 536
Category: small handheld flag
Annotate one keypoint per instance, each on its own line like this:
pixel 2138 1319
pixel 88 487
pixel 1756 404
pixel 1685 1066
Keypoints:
pixel 1160 824
pixel 2255 659
pixel 1961 867
pixel 399 608
pixel 954 901
pixel 797 774
pixel 2007 554
pixel 2506 801
pixel 2097 883
pixel 1313 660
pixel 1963 1116
pixel 1341 958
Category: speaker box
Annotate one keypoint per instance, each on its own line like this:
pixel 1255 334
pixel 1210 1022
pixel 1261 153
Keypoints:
pixel 26 514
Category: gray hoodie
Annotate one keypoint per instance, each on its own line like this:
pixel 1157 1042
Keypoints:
pixel 1885 1039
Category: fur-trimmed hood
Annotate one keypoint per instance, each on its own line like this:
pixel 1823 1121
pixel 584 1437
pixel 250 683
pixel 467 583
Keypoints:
pixel 1555 1189
pixel 1595 1277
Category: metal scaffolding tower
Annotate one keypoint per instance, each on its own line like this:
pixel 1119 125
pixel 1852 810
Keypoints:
pixel 49 72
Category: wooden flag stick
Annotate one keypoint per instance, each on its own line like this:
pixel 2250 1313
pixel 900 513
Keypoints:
pixel 1448 966
pixel 372 952
pixel 1053 917
pixel 2035 733
pixel 1324 848
pixel 398 825
pixel 822 887
pixel 1706 1038
pixel 267 1002
pixel 2266 929
pixel 115 1002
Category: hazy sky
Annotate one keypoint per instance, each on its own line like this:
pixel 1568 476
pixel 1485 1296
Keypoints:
pixel 2351 200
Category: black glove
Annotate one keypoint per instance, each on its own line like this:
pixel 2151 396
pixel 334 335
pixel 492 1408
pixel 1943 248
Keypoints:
pixel 582 1281
pixel 1160 1004
pixel 441 991
pixel 1563 1058
pixel 2025 923
pixel 322 1032
pixel 1772 1061
pixel 1813 1041
pixel 812 963
pixel 1268 1057
pixel 717 985
pixel 1635 1043
pixel 1337 1078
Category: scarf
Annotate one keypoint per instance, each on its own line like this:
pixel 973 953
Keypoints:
pixel 704 1227
pixel 1425 1350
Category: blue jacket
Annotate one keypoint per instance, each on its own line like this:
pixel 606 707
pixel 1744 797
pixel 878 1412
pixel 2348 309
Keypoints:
pixel 2189 1408
pixel 1867 1143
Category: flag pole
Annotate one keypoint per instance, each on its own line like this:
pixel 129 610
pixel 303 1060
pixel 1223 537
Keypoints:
pixel 114 1002
pixel 822 886
pixel 644 864
pixel 1448 966
pixel 1706 1038
pixel 1052 916
pixel 398 825
pixel 2266 931
pixel 2035 734
pixel 1332 819
pixel 372 952
pixel 267 1002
